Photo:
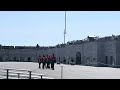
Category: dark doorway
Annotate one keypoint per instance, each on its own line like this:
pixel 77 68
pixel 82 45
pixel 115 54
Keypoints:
pixel 106 60
pixel 78 58
pixel 1 59
pixel 29 59
pixel 15 59
pixel 21 59
pixel 64 60
pixel 111 60
pixel 72 60
pixel 59 59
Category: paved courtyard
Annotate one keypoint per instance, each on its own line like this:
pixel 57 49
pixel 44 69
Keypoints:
pixel 69 71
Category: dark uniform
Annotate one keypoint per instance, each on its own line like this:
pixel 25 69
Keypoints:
pixel 48 62
pixel 43 59
pixel 53 61
pixel 40 61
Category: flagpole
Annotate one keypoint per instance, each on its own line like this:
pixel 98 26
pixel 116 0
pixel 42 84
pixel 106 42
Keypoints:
pixel 65 27
pixel 64 46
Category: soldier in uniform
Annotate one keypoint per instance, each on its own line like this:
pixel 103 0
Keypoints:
pixel 53 61
pixel 48 61
pixel 40 61
pixel 43 59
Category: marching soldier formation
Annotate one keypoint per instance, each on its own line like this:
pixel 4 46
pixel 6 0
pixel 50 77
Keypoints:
pixel 47 61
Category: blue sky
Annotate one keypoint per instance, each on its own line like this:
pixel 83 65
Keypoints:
pixel 46 27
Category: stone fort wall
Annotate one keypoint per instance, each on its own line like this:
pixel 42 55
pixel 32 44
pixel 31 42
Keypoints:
pixel 90 51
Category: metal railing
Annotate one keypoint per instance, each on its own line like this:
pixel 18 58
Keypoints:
pixel 9 73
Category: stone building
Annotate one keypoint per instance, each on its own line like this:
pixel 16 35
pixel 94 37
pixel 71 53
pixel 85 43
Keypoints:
pixel 92 51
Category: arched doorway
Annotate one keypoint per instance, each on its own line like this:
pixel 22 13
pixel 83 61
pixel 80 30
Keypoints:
pixel 78 58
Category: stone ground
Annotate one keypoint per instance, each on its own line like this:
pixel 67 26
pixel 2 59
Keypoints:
pixel 69 71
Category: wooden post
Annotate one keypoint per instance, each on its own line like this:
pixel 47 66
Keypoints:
pixel 7 73
pixel 18 75
pixel 29 74
pixel 41 76
pixel 61 72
